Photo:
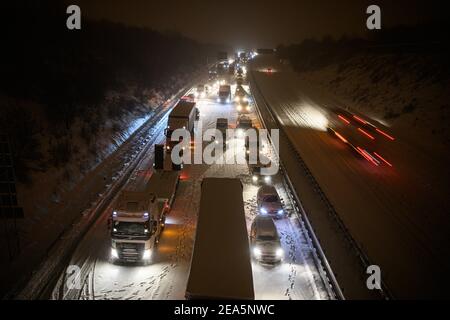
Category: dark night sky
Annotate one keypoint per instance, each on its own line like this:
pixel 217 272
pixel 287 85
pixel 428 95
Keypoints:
pixel 258 23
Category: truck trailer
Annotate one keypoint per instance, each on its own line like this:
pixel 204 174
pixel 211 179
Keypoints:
pixel 138 218
pixel 221 265
pixel 183 116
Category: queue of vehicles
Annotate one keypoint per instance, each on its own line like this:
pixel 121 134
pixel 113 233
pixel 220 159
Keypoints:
pixel 138 216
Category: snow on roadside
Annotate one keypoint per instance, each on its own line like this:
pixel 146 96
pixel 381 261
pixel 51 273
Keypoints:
pixel 58 196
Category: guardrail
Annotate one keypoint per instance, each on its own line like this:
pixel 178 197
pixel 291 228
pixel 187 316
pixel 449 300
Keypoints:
pixel 333 288
pixel 365 262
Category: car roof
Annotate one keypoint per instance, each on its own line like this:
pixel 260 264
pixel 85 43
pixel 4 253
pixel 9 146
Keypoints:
pixel 267 190
pixel 265 226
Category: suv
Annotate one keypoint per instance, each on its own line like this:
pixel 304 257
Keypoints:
pixel 257 177
pixel 265 241
pixel 269 203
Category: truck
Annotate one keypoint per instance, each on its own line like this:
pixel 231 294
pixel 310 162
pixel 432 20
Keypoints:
pixel 182 116
pixel 221 260
pixel 224 94
pixel 138 218
pixel 244 122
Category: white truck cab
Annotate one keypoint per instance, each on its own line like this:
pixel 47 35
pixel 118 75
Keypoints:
pixel 136 226
pixel 138 218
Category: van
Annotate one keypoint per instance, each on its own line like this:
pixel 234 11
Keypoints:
pixel 265 241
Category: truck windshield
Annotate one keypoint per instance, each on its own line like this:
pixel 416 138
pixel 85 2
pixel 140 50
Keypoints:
pixel 131 228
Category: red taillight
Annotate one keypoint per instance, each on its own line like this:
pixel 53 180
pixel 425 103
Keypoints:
pixel 344 119
pixel 385 134
pixel 382 159
pixel 367 156
pixel 366 134
pixel 359 119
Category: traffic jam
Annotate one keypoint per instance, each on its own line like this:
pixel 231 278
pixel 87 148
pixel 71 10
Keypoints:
pixel 139 214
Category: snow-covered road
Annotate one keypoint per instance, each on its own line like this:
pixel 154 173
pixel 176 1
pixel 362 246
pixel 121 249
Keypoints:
pixel 398 215
pixel 297 277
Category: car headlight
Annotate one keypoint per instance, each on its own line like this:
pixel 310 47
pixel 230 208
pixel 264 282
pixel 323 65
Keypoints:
pixel 228 100
pixel 147 254
pixel 257 252
pixel 249 108
pixel 245 99
pixel 279 253
pixel 218 99
pixel 280 212
pixel 114 254
pixel 267 179
pixel 239 108
pixel 263 210
pixel 255 178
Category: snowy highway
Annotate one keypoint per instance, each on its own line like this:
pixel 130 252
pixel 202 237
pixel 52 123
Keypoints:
pixel 371 196
pixel 298 277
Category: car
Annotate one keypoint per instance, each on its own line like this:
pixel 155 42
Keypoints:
pixel 244 108
pixel 257 176
pixel 269 202
pixel 244 122
pixel 242 103
pixel 265 241
pixel 241 97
